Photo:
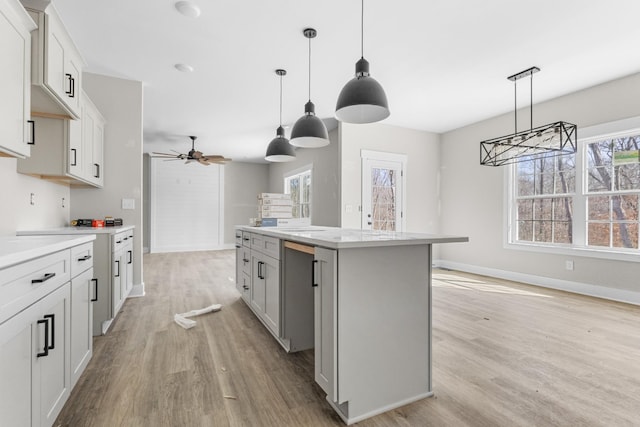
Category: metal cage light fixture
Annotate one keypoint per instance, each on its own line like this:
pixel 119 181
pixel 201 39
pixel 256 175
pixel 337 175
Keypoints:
pixel 309 131
pixel 279 149
pixel 558 138
pixel 362 99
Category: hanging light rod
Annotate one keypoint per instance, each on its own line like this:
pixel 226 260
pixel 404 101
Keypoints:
pixel 362 99
pixel 279 149
pixel 309 131
pixel 557 138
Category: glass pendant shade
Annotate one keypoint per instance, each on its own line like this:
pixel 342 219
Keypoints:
pixel 279 149
pixel 309 131
pixel 362 99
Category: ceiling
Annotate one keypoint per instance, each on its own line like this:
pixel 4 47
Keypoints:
pixel 442 63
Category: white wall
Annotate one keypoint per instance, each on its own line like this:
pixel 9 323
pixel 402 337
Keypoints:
pixel 325 180
pixel 17 213
pixel 473 198
pixel 243 182
pixel 421 176
pixel 120 102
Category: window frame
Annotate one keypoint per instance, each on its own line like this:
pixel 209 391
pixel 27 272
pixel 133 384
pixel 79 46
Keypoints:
pixel 579 247
pixel 300 173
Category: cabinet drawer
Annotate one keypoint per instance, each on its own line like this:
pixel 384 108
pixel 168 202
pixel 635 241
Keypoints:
pixel 246 239
pixel 81 258
pixel 120 240
pixel 265 244
pixel 23 284
pixel 238 238
pixel 245 260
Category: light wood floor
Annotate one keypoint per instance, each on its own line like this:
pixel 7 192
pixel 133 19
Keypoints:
pixel 504 354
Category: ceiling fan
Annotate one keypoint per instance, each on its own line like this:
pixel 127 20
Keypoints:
pixel 194 156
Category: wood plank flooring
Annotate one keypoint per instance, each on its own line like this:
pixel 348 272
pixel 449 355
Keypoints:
pixel 505 354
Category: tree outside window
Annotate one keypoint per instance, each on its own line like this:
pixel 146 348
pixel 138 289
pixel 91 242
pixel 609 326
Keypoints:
pixel 299 186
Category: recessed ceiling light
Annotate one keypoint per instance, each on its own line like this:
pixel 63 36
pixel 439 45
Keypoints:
pixel 185 68
pixel 188 8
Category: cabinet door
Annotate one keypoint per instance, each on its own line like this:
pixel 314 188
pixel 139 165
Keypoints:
pixel 118 281
pixel 81 323
pixel 258 285
pixel 325 322
pixel 97 159
pixel 15 82
pixel 76 154
pixel 51 384
pixel 16 354
pixel 129 269
pixel 271 273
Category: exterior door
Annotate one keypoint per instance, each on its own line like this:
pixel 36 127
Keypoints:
pixel 383 191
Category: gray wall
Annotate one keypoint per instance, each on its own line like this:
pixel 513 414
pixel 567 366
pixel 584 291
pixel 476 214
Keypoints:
pixel 473 198
pixel 120 102
pixel 325 180
pixel 242 183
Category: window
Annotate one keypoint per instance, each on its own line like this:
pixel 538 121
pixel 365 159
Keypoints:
pixel 588 200
pixel 298 184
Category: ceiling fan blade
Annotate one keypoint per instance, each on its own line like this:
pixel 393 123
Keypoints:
pixel 203 162
pixel 163 154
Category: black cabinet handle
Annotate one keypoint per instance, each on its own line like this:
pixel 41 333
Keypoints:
pixel 97 175
pixel 32 124
pixel 246 239
pixel 46 277
pixel 245 287
pixel 118 241
pixel 70 80
pixel 75 158
pixel 118 274
pixel 238 246
pixel 245 260
pixel 130 253
pixel 95 282
pixel 260 274
pixel 85 258
pixel 53 330
pixel 45 350
pixel 313 273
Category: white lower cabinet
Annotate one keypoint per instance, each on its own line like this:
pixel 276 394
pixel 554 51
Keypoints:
pixel 82 296
pixel 265 289
pixel 325 323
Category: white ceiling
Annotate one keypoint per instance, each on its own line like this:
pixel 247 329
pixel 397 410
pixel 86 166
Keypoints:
pixel 443 63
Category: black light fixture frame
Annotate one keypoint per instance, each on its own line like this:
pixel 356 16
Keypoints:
pixel 557 138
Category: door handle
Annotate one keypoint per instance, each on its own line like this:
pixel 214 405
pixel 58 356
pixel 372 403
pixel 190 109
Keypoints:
pixel 45 350
pixel 46 277
pixel 313 273
pixel 32 124
pixel 53 330
pixel 95 282
pixel 118 273
pixel 85 258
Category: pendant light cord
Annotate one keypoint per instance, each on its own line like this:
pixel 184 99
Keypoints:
pixel 362 30
pixel 309 69
pixel 531 102
pixel 515 106
pixel 281 100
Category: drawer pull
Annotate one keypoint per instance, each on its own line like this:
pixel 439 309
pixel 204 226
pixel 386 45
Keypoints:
pixel 130 253
pixel 245 260
pixel 313 273
pixel 32 124
pixel 46 277
pixel 95 283
pixel 84 258
pixel 45 350
pixel 238 246
pixel 260 273
pixel 246 239
pixel 118 273
pixel 118 242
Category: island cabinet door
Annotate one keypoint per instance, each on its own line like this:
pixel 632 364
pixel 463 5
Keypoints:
pixel 325 281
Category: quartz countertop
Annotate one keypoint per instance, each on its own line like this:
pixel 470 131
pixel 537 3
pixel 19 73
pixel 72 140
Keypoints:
pixel 342 238
pixel 15 250
pixel 76 230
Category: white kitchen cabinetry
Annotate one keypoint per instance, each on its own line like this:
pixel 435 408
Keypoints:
pixel 69 151
pixel 122 278
pixel 83 288
pixel 243 267
pixel 38 328
pixel 324 314
pixel 265 280
pixel 56 73
pixel 15 79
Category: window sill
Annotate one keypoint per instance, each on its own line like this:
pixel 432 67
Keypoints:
pixel 588 252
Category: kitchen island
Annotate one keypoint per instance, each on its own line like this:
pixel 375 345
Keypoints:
pixel 360 298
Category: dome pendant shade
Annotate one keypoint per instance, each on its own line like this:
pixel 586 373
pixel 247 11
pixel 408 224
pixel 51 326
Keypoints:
pixel 279 149
pixel 309 131
pixel 362 99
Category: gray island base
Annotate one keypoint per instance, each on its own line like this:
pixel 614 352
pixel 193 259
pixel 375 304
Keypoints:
pixel 361 299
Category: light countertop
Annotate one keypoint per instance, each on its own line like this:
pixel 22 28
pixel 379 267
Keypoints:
pixel 14 250
pixel 342 238
pixel 76 230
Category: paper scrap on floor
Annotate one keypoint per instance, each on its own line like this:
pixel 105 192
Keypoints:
pixel 182 319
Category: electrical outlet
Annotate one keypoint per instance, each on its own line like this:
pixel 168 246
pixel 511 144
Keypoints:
pixel 568 264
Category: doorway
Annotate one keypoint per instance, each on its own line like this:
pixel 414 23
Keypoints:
pixel 383 179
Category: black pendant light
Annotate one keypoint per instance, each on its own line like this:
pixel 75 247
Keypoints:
pixel 309 131
pixel 279 149
pixel 362 99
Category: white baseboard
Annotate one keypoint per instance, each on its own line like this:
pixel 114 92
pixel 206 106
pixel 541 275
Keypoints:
pixel 621 295
pixel 137 291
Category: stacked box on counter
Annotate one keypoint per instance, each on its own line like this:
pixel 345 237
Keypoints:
pixel 273 207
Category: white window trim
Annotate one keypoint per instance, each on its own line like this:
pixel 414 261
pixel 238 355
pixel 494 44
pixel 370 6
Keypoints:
pixel 579 247
pixel 298 171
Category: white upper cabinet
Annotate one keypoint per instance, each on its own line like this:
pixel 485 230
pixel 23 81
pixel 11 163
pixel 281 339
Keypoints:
pixel 56 73
pixel 15 81
pixel 92 142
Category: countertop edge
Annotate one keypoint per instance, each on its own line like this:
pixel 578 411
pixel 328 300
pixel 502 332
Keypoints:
pixel 71 230
pixel 43 248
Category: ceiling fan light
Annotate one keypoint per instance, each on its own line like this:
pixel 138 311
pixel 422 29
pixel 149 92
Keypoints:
pixel 362 99
pixel 188 9
pixel 309 131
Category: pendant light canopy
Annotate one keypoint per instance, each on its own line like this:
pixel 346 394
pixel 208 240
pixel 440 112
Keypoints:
pixel 309 131
pixel 362 99
pixel 279 149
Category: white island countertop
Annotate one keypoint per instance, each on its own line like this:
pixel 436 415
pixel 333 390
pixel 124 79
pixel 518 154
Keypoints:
pixel 79 230
pixel 14 250
pixel 342 238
